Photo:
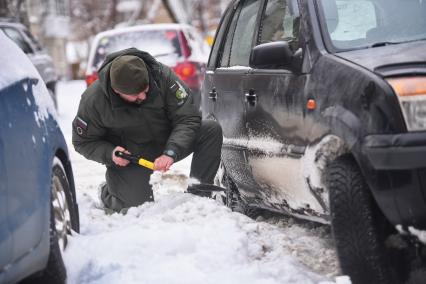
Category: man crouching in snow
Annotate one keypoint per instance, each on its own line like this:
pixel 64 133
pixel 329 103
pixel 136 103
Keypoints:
pixel 139 106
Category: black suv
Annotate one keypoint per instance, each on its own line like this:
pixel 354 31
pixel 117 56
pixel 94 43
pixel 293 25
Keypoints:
pixel 323 110
pixel 38 56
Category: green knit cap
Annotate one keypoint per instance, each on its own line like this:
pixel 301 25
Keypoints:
pixel 129 75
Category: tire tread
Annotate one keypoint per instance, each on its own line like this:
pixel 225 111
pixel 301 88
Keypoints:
pixel 353 217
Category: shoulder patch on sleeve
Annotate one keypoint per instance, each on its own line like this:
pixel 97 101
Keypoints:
pixel 80 126
pixel 174 87
pixel 181 94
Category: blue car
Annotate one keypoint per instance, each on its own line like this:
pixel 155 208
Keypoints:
pixel 38 208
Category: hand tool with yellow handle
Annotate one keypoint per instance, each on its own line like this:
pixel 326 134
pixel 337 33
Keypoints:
pixel 192 187
pixel 136 160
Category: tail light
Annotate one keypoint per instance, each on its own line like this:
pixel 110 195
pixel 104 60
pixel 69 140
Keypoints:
pixel 185 70
pixel 91 78
pixel 189 73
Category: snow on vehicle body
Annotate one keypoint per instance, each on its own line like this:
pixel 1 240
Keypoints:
pixel 38 208
pixel 322 105
pixel 35 52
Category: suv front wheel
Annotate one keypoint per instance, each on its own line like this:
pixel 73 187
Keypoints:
pixel 359 227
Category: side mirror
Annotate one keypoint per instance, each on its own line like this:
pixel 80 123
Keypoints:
pixel 271 55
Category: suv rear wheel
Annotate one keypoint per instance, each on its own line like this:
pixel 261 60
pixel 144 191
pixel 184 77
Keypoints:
pixel 360 229
pixel 63 219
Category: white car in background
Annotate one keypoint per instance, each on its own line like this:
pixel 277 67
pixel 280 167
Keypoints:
pixel 178 46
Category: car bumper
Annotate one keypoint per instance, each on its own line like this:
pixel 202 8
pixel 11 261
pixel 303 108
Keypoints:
pixel 398 176
pixel 396 152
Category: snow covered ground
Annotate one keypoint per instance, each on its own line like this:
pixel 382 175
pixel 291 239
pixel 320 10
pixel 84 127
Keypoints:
pixel 181 238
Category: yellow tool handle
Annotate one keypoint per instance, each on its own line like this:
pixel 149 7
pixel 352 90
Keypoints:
pixel 146 164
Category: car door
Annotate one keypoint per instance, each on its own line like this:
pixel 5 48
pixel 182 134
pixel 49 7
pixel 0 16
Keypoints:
pixel 5 235
pixel 27 175
pixel 275 108
pixel 223 88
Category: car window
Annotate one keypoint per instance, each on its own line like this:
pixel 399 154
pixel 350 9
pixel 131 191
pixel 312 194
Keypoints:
pixel 280 22
pixel 164 45
pixel 348 27
pixel 33 40
pixel 17 37
pixel 366 23
pixel 224 59
pixel 243 37
pixel 218 39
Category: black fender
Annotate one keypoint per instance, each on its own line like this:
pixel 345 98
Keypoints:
pixel 348 127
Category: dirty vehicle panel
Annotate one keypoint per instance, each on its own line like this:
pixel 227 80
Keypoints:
pixel 225 100
pixel 333 95
pixel 323 110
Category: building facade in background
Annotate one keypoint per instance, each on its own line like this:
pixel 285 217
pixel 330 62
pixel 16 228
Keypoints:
pixel 49 21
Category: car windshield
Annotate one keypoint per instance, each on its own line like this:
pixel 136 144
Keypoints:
pixel 162 44
pixel 355 24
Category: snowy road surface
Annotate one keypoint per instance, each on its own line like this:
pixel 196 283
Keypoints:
pixel 181 238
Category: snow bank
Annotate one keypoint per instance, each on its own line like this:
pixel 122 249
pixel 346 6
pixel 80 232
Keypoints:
pixel 179 239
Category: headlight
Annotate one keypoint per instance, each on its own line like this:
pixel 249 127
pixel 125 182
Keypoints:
pixel 411 93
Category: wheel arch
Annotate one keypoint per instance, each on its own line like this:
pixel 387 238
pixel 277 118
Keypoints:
pixel 321 155
pixel 63 157
pixel 344 124
pixel 349 129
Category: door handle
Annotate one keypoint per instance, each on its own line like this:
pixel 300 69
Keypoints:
pixel 251 97
pixel 213 94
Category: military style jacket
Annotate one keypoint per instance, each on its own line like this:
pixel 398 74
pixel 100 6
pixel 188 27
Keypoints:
pixel 166 120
